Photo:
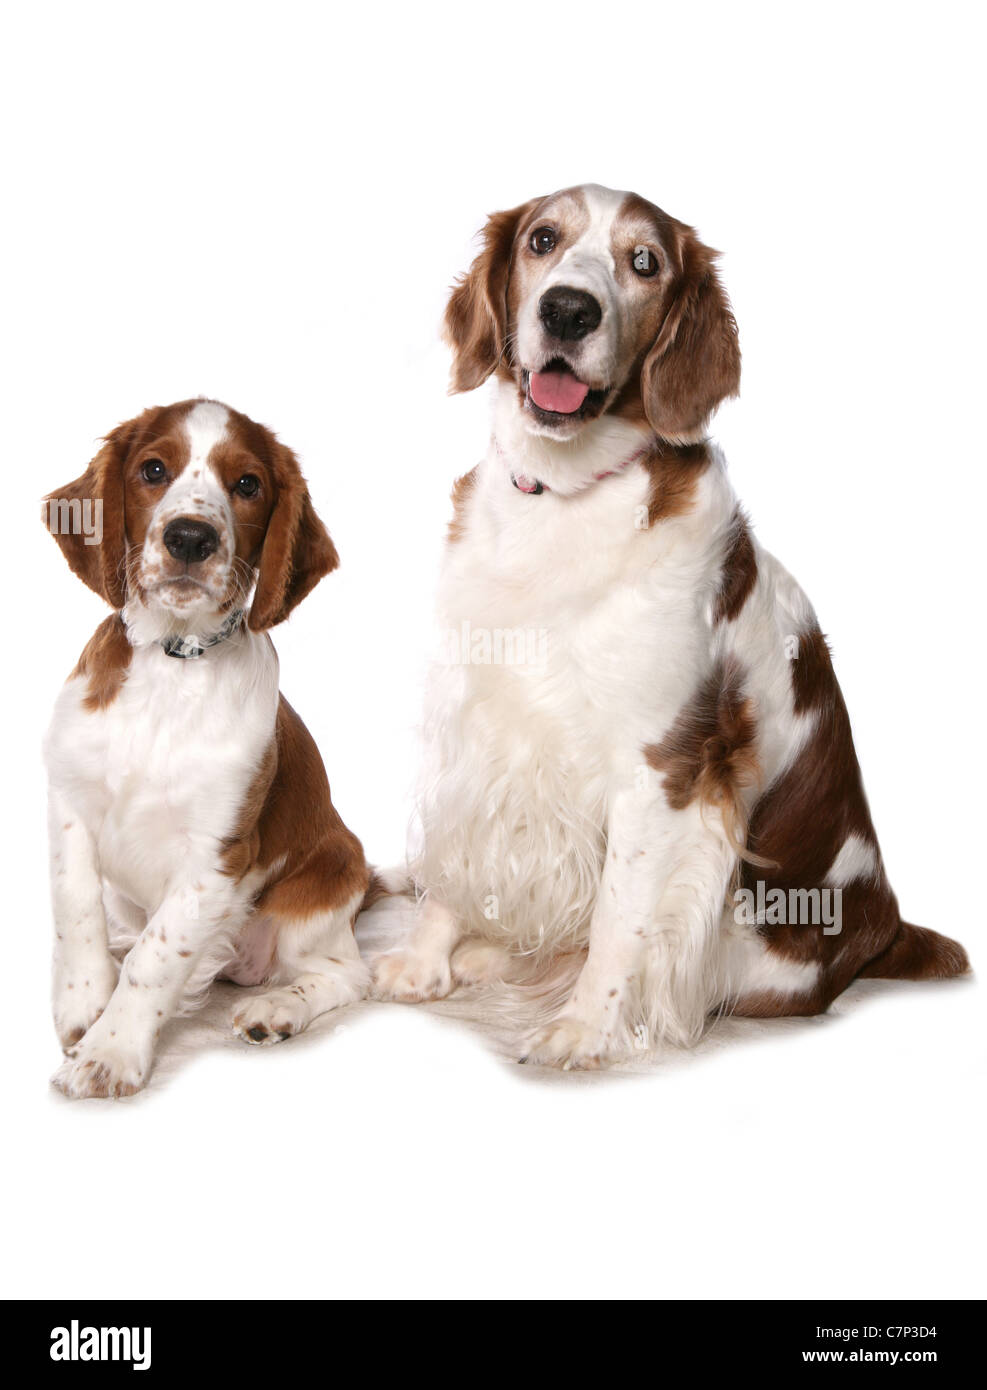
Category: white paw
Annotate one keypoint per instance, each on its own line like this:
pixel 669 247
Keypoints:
pixel 480 963
pixel 270 1018
pixel 80 996
pixel 100 1071
pixel 569 1043
pixel 411 978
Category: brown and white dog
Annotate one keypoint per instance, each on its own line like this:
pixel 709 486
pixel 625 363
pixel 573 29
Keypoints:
pixel 666 776
pixel 187 799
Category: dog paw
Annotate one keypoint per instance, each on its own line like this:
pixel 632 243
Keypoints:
pixel 79 1000
pixel 570 1044
pixel 271 1018
pixel 100 1072
pixel 410 978
pixel 480 963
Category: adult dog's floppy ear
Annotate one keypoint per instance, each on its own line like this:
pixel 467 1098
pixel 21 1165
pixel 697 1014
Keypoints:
pixel 695 361
pixel 297 551
pixel 87 519
pixel 476 315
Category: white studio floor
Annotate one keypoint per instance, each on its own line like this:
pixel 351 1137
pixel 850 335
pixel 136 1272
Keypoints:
pixel 398 1151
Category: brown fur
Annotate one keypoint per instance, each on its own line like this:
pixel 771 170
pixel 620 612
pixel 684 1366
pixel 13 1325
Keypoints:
pixel 104 663
pixel 739 572
pixel 695 361
pixel 800 825
pixel 709 754
pixel 917 953
pixel 476 315
pixel 797 827
pixel 288 815
pixel 675 470
pixel 462 490
pixel 101 567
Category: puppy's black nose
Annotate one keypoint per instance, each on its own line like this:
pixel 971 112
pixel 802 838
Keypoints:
pixel 190 540
pixel 568 314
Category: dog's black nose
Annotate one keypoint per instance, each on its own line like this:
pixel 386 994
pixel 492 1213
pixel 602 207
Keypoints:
pixel 190 540
pixel 568 314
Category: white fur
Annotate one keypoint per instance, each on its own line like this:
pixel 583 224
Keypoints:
pixel 149 788
pixel 857 859
pixel 543 827
pixel 143 795
pixel 586 265
pixel 197 491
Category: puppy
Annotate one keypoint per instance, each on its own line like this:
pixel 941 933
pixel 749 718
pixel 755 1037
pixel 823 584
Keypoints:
pixel 638 747
pixel 187 798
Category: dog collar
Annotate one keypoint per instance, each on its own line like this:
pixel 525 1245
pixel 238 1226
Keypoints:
pixel 187 648
pixel 534 488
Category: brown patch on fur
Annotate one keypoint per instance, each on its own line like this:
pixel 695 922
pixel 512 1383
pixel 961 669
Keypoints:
pixel 476 315
pixel 917 953
pixel 769 1003
pixel 739 572
pixel 686 353
pixel 674 470
pixel 100 566
pixel 695 361
pixel 813 677
pixel 798 827
pixel 288 816
pixel 297 551
pixel 104 663
pixel 710 752
pixel 462 491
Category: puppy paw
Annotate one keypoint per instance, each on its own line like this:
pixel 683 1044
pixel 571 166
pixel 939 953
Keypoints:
pixel 410 978
pixel 80 997
pixel 270 1018
pixel 569 1043
pixel 100 1072
pixel 481 963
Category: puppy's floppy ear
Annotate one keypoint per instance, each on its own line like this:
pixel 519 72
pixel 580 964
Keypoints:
pixel 476 315
pixel 695 361
pixel 297 551
pixel 87 520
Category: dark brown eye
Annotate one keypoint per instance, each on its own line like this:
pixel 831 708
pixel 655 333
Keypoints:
pixel 153 471
pixel 543 240
pixel 645 261
pixel 248 485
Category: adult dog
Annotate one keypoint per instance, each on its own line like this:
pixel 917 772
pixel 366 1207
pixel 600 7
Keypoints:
pixel 667 775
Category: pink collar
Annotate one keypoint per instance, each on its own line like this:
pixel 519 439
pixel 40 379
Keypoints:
pixel 532 486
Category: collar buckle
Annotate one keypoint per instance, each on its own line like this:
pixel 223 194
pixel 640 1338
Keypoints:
pixel 191 648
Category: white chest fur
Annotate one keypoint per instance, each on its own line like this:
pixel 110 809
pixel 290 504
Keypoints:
pixel 159 776
pixel 571 636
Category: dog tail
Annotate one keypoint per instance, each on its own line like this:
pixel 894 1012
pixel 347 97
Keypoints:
pixel 387 883
pixel 918 953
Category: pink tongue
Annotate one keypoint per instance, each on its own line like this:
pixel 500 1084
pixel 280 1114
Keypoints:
pixel 558 391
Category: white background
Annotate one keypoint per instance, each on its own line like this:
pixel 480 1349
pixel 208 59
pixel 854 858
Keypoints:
pixel 266 204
